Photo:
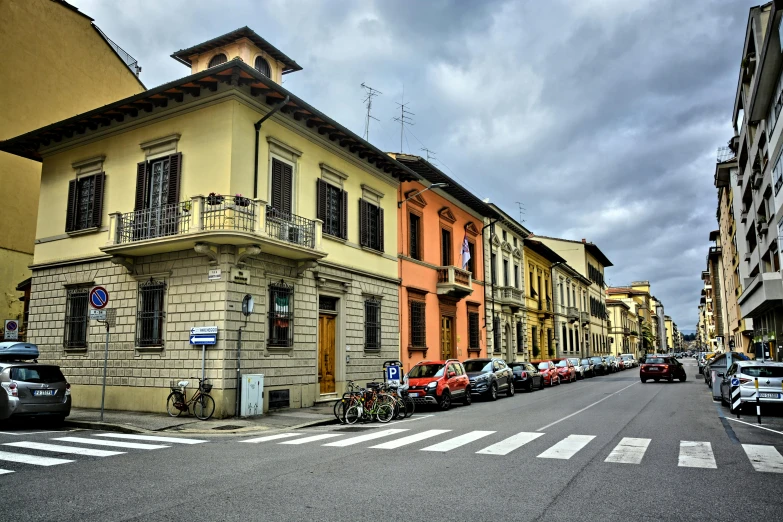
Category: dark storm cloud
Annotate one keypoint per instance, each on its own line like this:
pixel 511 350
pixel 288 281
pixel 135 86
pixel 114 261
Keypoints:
pixel 601 116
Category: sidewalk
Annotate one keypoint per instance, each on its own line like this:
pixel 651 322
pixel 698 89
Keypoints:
pixel 139 422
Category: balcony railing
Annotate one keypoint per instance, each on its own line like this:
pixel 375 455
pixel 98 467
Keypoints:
pixel 217 219
pixel 724 154
pixel 511 293
pixel 572 313
pixel 454 281
pixel 584 317
pixel 151 223
pixel 291 228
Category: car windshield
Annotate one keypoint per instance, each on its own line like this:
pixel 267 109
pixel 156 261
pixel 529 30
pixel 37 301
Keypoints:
pixel 426 370
pixel 585 361
pixel 763 371
pixel 655 360
pixel 574 361
pixel 543 366
pixel 562 364
pixel 478 366
pixel 596 360
pixel 37 374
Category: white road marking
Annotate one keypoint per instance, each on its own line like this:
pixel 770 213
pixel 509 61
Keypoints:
pixel 364 438
pixel 152 438
pixel 754 425
pixel 567 448
pixel 410 439
pixel 59 448
pixel 310 439
pixel 21 433
pixel 506 446
pixel 111 443
pixel 31 459
pixel 764 458
pixel 272 437
pixel 696 455
pixel 5 471
pixel 456 442
pixel 585 408
pixel 629 451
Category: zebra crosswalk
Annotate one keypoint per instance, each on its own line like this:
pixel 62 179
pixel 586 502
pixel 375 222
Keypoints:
pixel 36 453
pixel 628 451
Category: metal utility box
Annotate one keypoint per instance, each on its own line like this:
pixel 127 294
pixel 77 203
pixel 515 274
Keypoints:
pixel 252 395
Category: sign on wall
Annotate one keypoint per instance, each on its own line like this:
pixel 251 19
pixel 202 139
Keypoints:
pixel 11 330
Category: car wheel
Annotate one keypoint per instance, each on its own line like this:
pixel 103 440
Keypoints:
pixel 530 386
pixel 510 391
pixel 644 381
pixel 445 400
pixel 542 384
pixel 671 378
pixel 468 400
pixel 657 379
pixel 683 378
pixel 493 392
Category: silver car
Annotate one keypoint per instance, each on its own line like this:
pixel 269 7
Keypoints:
pixel 745 373
pixel 580 370
pixel 30 389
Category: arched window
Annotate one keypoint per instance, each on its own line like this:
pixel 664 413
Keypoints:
pixel 218 59
pixel 262 66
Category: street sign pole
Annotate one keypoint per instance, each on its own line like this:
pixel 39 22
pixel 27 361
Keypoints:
pixel 105 366
pixel 758 401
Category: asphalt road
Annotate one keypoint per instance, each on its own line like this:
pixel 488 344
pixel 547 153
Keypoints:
pixel 608 448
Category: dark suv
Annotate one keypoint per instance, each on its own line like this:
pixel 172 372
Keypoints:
pixel 439 382
pixel 489 376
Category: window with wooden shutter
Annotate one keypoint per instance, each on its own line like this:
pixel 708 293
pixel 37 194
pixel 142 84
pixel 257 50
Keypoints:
pixel 414 235
pixel 330 209
pixel 445 247
pixel 370 225
pixel 474 332
pixel 85 203
pixel 141 186
pixel 282 183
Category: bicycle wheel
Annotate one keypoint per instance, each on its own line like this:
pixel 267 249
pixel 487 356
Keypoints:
pixel 175 398
pixel 410 406
pixel 399 408
pixel 385 413
pixel 203 407
pixel 339 411
pixel 352 414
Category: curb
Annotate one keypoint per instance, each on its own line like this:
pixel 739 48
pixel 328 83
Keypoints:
pixel 106 426
pixel 126 428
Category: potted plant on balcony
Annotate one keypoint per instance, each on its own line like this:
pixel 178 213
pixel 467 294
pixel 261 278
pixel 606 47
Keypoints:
pixel 186 206
pixel 214 199
pixel 241 201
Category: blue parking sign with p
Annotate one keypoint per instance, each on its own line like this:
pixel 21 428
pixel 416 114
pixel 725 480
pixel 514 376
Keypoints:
pixel 393 374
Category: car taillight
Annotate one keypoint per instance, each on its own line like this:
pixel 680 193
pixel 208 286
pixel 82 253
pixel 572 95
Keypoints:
pixel 67 388
pixel 13 389
pixel 524 375
pixel 745 380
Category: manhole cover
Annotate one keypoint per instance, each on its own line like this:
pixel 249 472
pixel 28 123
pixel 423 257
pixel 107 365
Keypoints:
pixel 227 427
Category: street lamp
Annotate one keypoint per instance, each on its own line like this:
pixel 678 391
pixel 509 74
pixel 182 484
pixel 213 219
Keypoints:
pixel 434 185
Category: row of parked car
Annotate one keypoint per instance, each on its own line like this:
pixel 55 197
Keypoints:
pixel 725 372
pixel 442 382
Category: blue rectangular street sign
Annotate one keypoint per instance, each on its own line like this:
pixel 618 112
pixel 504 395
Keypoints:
pixel 203 339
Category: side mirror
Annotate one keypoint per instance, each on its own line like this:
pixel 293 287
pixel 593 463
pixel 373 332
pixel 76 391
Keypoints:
pixel 452 374
pixel 720 374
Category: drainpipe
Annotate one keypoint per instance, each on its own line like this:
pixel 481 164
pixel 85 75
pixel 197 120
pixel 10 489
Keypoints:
pixel 484 258
pixel 257 125
pixel 554 315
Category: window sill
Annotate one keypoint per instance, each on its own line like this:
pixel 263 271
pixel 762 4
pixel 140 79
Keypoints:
pixel 83 231
pixel 335 238
pixel 420 349
pixel 474 349
pixel 149 349
pixel 372 250
pixel 279 350
pixel 75 350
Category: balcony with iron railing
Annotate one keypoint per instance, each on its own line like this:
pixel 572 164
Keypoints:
pixel 214 219
pixel 454 281
pixel 725 154
pixel 584 317
pixel 509 296
pixel 573 314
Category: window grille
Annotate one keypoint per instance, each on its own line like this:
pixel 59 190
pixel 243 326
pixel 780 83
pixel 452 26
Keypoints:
pixel 327 304
pixel 418 321
pixel 150 313
pixel 76 307
pixel 496 334
pixel 334 202
pixel 281 315
pixel 474 335
pixel 372 324
pixel 262 66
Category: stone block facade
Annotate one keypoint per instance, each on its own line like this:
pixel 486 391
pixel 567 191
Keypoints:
pixel 138 377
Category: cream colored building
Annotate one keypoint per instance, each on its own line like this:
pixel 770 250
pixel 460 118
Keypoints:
pixel 571 313
pixel 620 323
pixel 186 198
pixel 590 262
pixel 56 63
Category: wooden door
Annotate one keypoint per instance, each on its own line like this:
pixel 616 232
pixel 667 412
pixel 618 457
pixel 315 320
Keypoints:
pixel 446 337
pixel 326 353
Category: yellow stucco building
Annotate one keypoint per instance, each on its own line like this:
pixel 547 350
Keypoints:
pixel 56 63
pixel 538 260
pixel 189 199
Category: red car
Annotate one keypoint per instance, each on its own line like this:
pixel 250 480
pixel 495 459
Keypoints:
pixel 549 373
pixel 620 363
pixel 566 371
pixel 661 367
pixel 439 382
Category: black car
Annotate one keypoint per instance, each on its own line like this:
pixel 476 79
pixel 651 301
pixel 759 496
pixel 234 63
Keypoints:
pixel 599 365
pixel 526 376
pixel 488 377
pixel 589 367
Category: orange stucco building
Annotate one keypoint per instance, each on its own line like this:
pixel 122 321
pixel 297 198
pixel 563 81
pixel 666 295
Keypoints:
pixel 441 297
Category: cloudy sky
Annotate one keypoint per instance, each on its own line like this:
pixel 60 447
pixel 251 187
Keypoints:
pixel 602 117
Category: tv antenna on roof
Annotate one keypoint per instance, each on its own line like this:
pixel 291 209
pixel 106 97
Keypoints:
pixel 522 210
pixel 404 117
pixel 429 153
pixel 371 93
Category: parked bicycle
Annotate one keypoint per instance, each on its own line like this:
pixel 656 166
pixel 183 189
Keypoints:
pixel 367 401
pixel 203 404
